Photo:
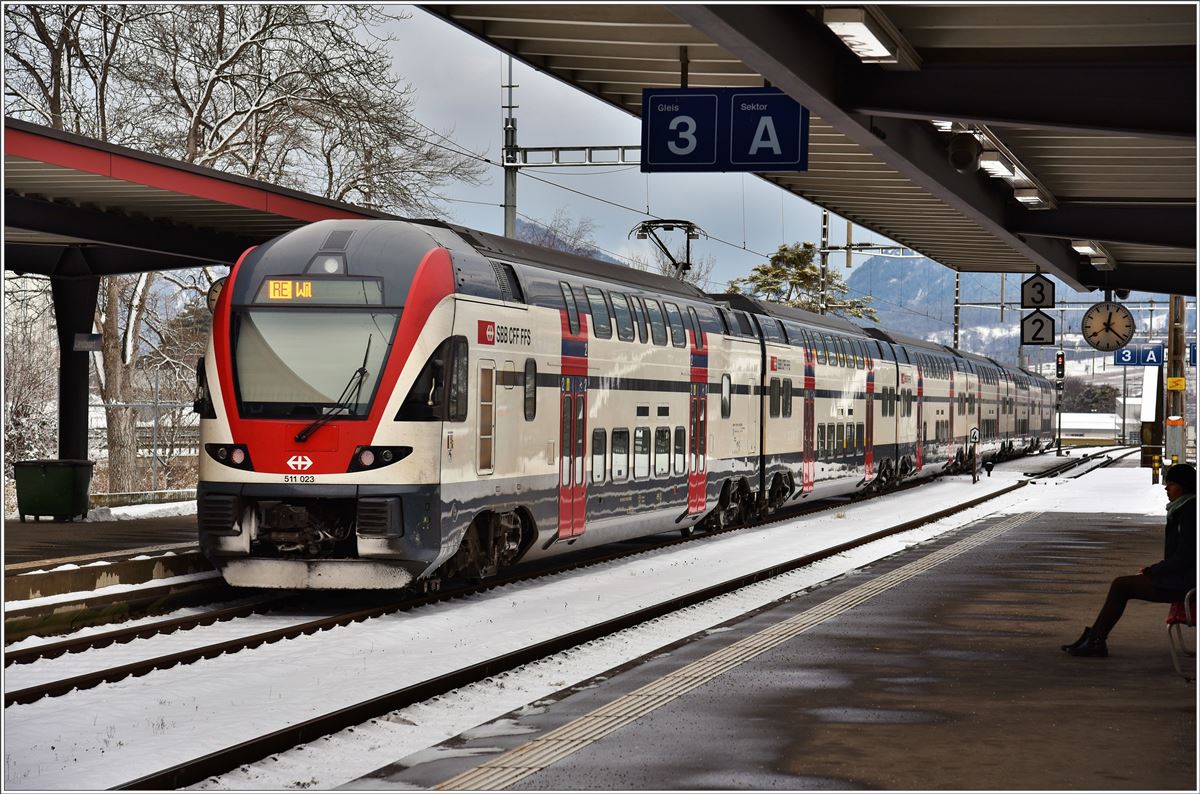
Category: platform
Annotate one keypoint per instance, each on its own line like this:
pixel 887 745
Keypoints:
pixel 27 541
pixel 951 678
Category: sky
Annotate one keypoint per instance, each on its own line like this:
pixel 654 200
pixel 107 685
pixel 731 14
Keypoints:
pixel 461 96
pixel 101 737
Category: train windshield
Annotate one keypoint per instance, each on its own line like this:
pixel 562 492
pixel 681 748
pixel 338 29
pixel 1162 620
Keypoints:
pixel 308 364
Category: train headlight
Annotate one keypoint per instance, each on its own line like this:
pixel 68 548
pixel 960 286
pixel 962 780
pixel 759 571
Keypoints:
pixel 367 458
pixel 235 455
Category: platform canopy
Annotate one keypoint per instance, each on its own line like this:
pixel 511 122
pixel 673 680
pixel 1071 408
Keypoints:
pixel 1094 104
pixel 74 206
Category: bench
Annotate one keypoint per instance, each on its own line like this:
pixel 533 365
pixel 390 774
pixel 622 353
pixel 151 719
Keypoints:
pixel 1182 613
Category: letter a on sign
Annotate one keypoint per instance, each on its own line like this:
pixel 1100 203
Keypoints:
pixel 765 137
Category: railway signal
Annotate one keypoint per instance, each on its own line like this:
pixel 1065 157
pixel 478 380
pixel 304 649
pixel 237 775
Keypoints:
pixel 1060 364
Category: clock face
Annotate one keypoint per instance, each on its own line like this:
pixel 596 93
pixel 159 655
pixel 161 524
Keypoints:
pixel 1107 326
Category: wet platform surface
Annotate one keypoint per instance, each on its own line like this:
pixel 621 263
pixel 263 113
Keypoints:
pixel 27 541
pixel 950 679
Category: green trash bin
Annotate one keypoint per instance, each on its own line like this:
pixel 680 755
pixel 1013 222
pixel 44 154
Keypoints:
pixel 56 488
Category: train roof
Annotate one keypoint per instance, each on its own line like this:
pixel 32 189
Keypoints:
pixel 770 309
pixel 901 339
pixel 574 264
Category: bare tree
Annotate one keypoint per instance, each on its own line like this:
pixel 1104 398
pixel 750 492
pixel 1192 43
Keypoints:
pixel 30 377
pixel 698 275
pixel 299 95
pixel 563 233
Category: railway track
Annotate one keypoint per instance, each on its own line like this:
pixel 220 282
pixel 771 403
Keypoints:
pixel 305 627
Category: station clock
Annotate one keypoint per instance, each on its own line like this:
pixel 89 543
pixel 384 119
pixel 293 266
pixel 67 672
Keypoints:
pixel 1107 326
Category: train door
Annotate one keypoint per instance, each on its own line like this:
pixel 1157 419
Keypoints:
pixel 808 475
pixel 485 446
pixel 869 448
pixel 755 408
pixel 572 487
pixel 920 455
pixel 698 471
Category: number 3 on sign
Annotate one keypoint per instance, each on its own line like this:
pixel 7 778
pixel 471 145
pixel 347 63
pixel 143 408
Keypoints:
pixel 1037 328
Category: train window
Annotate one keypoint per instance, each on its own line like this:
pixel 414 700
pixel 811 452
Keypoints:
pixel 726 396
pixel 580 418
pixel 601 325
pixel 620 455
pixel 774 392
pixel 599 450
pixel 831 355
pixel 724 318
pixel 744 324
pixel 530 389
pixel 639 317
pixel 820 442
pixel 860 437
pixel 678 335
pixel 680 451
pixel 658 329
pixel 770 329
pixel 860 353
pixel 839 446
pixel 703 433
pixel 459 369
pixel 971 403
pixel 569 303
pixel 697 329
pixel 820 347
pixel 787 397
pixel 787 337
pixel 844 355
pixel 641 453
pixel 662 451
pixel 425 401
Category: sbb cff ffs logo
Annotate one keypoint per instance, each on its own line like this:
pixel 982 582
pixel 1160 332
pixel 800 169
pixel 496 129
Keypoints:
pixel 487 332
pixel 299 462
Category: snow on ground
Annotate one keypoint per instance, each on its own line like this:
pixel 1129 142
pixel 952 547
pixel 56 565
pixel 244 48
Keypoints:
pixel 163 510
pixel 117 732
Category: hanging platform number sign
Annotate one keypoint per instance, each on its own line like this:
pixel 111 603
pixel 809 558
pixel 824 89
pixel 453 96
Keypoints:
pixel 1037 327
pixel 723 129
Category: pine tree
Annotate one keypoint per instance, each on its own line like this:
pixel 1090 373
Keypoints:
pixel 793 278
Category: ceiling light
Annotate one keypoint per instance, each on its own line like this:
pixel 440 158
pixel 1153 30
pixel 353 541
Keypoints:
pixel 995 164
pixel 1085 247
pixel 859 32
pixel 1103 263
pixel 943 126
pixel 1029 196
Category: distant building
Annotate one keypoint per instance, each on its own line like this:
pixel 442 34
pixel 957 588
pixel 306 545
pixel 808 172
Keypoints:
pixel 1091 428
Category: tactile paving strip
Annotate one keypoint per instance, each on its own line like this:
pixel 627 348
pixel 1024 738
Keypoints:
pixel 534 756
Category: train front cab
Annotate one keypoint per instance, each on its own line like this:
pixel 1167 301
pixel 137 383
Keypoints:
pixel 323 391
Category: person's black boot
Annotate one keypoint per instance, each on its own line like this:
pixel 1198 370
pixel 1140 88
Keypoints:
pixel 1082 639
pixel 1093 646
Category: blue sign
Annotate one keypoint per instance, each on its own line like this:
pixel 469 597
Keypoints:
pixel 723 129
pixel 1126 357
pixel 1151 355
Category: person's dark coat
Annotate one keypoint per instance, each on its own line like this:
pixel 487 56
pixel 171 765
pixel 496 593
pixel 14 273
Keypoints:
pixel 1177 571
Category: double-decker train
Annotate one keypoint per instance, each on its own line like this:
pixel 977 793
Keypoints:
pixel 386 403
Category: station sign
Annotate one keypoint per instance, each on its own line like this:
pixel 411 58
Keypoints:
pixel 1037 328
pixel 723 129
pixel 1139 356
pixel 1037 292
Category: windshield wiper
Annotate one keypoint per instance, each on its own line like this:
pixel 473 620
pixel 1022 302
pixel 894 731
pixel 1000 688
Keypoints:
pixel 350 396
